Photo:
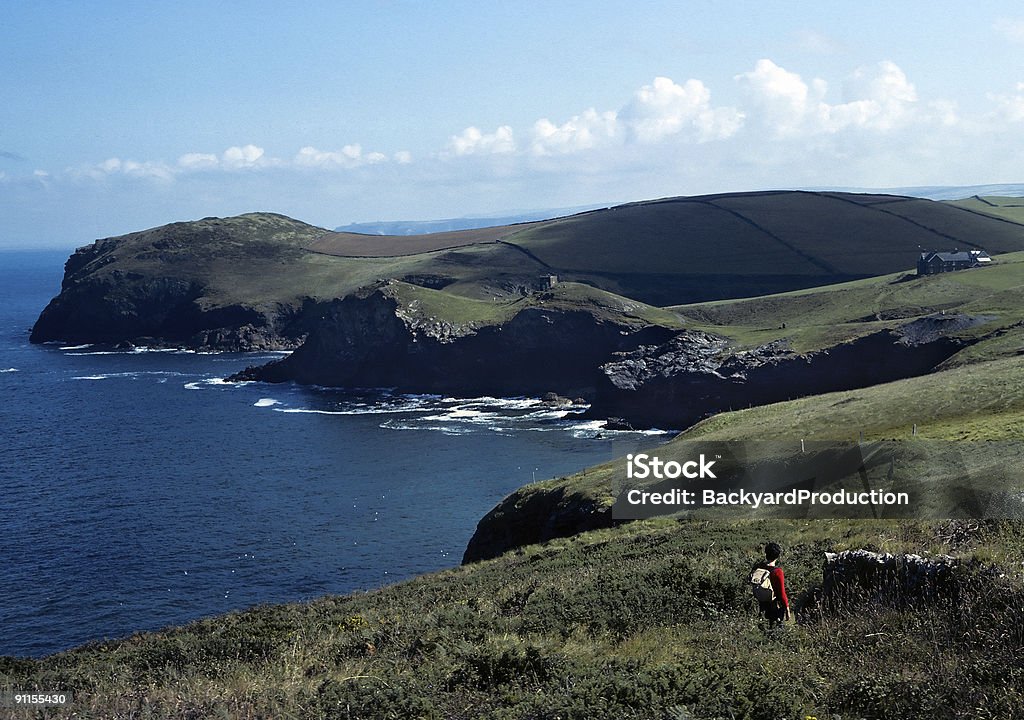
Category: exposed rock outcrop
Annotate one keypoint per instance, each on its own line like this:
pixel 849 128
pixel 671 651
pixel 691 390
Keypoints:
pixel 372 339
pixel 532 515
pixel 695 375
pixel 167 311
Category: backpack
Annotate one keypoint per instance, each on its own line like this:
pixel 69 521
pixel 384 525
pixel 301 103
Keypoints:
pixel 761 584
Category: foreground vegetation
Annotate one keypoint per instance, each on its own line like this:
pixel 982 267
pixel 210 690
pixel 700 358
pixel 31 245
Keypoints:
pixel 648 620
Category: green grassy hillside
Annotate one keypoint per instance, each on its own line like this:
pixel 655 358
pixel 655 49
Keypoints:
pixel 258 273
pixel 748 244
pixel 820 317
pixel 652 620
pixel 1005 208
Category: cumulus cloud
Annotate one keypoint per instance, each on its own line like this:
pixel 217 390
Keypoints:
pixel 242 157
pixel 666 108
pixel 472 141
pixel 581 132
pixel 349 156
pixel 782 128
pixel 879 97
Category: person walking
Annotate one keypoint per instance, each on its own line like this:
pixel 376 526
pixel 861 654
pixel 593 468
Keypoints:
pixel 769 586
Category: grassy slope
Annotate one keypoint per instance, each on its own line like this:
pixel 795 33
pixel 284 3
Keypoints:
pixel 762 233
pixel 820 317
pixel 978 397
pixel 649 620
pixel 425 305
pixel 1007 208
pixel 659 252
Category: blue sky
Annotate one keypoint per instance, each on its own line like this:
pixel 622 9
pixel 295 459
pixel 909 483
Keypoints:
pixel 118 116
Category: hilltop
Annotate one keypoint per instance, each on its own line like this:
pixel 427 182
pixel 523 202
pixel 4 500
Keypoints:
pixel 259 280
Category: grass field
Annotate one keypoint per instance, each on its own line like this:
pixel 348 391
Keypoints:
pixel 819 317
pixel 660 252
pixel 1006 208
pixel 649 620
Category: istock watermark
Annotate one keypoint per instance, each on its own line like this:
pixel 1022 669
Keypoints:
pixel 643 466
pixel 824 479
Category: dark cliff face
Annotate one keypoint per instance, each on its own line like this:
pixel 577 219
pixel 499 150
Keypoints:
pixel 160 287
pixel 370 341
pixel 527 517
pixel 127 308
pixel 694 375
pixel 103 305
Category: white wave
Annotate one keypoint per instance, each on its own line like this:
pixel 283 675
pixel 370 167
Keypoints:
pixel 9 370
pixel 162 374
pixel 463 415
pixel 211 382
pixel 446 429
pixel 77 347
pixel 143 349
pixel 310 412
pixel 546 415
pixel 266 402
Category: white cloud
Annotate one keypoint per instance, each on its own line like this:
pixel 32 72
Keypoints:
pixel 403 157
pixel 472 141
pixel 665 108
pixel 780 98
pixel 350 156
pixel 198 161
pixel 581 132
pixel 130 168
pixel 881 95
pixel 242 157
pixel 878 97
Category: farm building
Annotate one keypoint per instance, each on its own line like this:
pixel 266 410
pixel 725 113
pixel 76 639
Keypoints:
pixel 933 262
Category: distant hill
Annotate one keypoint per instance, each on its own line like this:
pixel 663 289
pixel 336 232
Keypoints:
pixel 471 222
pixel 425 227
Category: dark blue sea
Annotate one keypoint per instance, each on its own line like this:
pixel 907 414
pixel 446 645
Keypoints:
pixel 140 490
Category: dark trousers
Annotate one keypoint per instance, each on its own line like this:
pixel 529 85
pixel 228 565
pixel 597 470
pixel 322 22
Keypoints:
pixel 774 612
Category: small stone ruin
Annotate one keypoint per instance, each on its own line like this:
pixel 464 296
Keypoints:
pixel 902 579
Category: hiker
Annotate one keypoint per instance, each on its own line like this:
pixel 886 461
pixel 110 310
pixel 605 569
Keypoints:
pixel 769 585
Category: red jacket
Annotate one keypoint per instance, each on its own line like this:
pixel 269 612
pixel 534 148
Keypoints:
pixel 779 584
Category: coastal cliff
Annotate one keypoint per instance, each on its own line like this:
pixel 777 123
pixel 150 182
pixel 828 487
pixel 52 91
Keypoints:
pixel 386 336
pixel 695 374
pixel 199 285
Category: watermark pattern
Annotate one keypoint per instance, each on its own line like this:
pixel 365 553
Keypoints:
pixel 801 479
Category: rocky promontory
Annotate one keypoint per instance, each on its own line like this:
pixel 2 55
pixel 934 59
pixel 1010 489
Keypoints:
pixel 694 374
pixel 201 285
pixel 384 337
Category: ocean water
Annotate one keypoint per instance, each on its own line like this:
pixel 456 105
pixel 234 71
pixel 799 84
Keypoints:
pixel 140 490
